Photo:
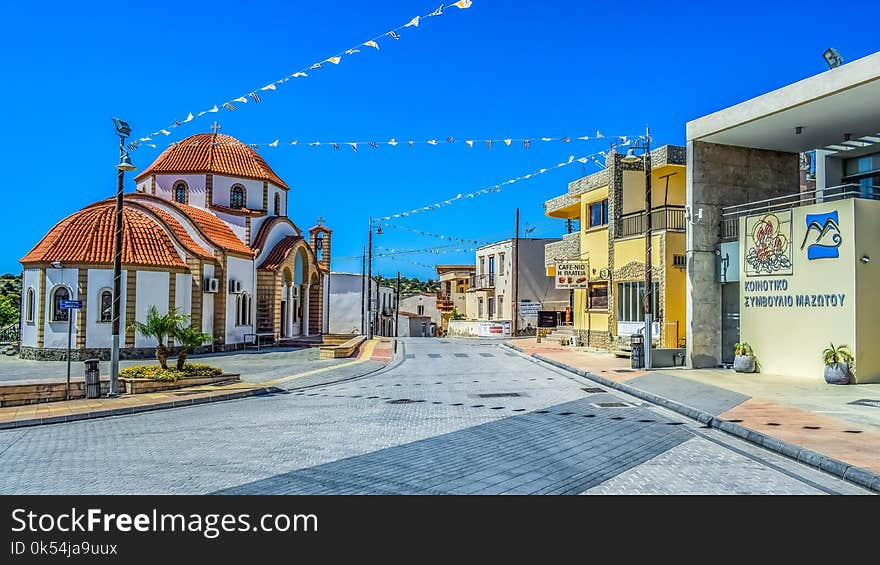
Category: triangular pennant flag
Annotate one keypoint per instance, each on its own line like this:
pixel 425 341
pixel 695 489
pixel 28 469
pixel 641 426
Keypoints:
pixel 255 96
pixel 432 142
pixel 410 143
pixel 274 143
pixel 542 171
pixel 299 74
pixel 450 139
pixel 463 4
pixel 241 99
pixel 315 66
pixel 214 109
pixel 352 51
pixel 570 158
pixel 392 142
pixel 354 147
pixel 599 134
pixel 393 34
pixel 150 145
pixel 372 43
pixel 188 118
pixel 413 22
pixel 294 142
pixel 334 146
pixel 374 144
pixel 507 142
pixel 335 60
pixel 527 143
pixel 546 139
pixel 584 138
pixel 470 142
pixel 582 160
pixel 202 113
pixel 269 87
pixel 146 139
pixel 437 12
pixel 164 132
pixel 315 143
pixel 489 144
pixel 565 139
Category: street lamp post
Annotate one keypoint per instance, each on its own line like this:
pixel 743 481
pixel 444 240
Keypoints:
pixel 644 143
pixel 122 130
pixel 370 276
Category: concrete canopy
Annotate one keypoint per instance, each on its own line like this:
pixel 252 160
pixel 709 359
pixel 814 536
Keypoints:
pixel 826 106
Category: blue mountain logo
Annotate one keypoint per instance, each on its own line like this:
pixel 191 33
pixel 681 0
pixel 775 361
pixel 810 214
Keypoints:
pixel 826 232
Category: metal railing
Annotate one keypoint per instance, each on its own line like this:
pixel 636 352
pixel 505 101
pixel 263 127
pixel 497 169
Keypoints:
pixel 444 302
pixel 730 215
pixel 663 218
pixel 483 281
pixel 10 334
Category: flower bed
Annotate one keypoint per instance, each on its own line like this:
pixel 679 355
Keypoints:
pixel 157 373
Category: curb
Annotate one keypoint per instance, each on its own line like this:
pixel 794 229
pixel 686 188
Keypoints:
pixel 850 473
pixel 262 391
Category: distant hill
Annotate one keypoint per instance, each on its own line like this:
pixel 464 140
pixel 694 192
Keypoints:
pixel 10 298
pixel 410 286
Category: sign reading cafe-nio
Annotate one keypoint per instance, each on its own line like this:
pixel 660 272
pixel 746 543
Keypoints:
pixel 572 274
pixel 772 294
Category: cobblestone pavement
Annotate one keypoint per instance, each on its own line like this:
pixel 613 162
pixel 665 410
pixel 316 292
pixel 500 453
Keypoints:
pixel 456 416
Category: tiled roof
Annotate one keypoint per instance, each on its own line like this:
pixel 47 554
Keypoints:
pixel 279 252
pixel 455 268
pixel 263 233
pixel 213 153
pixel 238 211
pixel 215 229
pixel 412 315
pixel 87 236
pixel 180 232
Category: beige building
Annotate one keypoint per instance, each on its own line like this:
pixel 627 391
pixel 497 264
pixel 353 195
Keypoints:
pixel 455 280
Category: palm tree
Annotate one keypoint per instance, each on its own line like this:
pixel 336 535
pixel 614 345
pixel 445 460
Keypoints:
pixel 188 338
pixel 161 327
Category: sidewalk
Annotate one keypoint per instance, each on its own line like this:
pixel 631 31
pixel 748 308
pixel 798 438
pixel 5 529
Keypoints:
pixel 372 356
pixel 804 412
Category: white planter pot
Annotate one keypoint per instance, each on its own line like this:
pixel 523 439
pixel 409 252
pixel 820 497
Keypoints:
pixel 837 374
pixel 744 363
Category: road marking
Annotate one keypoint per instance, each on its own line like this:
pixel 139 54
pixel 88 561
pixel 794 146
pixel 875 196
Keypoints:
pixel 365 355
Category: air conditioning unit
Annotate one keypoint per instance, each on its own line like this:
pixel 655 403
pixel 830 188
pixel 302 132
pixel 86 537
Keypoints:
pixel 212 284
pixel 234 286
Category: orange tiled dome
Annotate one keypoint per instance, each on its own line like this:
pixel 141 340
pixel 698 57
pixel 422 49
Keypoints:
pixel 213 153
pixel 87 237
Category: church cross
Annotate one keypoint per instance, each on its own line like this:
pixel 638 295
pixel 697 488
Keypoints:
pixel 321 221
pixel 216 127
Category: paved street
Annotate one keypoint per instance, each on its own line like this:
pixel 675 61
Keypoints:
pixel 454 416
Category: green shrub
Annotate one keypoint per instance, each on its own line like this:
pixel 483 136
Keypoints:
pixel 157 373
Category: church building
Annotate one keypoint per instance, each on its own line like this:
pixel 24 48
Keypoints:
pixel 207 231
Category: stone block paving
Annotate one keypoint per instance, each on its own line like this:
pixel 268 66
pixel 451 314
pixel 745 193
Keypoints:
pixel 420 427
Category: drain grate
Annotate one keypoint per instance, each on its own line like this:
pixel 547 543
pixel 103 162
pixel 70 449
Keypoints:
pixel 460 354
pixel 402 401
pixel 486 355
pixel 434 355
pixel 611 405
pixel 499 395
pixel 186 392
pixel 624 370
pixel 593 390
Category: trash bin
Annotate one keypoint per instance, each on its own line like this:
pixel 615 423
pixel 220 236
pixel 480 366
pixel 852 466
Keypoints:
pixel 637 350
pixel 93 378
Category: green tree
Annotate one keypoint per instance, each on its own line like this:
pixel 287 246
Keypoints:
pixel 160 327
pixel 188 338
pixel 8 311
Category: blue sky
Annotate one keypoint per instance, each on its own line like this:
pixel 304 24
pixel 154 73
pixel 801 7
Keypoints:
pixel 498 69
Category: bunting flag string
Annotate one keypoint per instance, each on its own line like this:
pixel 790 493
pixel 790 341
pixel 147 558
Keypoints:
pixel 336 59
pixel 620 140
pixel 496 188
pixel 435 235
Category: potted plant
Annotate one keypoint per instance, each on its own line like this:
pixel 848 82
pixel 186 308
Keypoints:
pixel 838 364
pixel 744 359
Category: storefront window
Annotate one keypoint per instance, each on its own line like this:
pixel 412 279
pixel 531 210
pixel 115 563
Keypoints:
pixel 598 296
pixel 630 297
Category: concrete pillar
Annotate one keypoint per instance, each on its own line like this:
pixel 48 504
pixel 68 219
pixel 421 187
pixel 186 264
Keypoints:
pixel 720 176
pixel 305 319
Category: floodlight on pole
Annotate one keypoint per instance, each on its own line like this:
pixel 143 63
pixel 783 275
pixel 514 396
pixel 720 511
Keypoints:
pixel 832 57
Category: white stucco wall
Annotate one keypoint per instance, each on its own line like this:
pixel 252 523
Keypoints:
pixel 279 232
pixel 183 292
pixel 152 290
pixel 99 334
pixel 30 279
pixel 239 270
pixel 412 303
pixel 345 303
pixel 55 333
pixel 195 188
pixel 235 223
pixel 273 190
pixel 223 185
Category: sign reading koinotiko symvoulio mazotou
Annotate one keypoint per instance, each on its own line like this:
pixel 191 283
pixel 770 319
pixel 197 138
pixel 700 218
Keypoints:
pixel 572 274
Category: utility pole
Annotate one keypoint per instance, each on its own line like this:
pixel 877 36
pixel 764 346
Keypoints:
pixel 370 282
pixel 649 302
pixel 397 308
pixel 516 276
pixel 363 289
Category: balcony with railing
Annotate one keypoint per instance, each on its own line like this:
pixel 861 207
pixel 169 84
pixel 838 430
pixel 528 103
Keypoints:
pixel 730 215
pixel 565 206
pixel 445 302
pixel 482 282
pixel 669 218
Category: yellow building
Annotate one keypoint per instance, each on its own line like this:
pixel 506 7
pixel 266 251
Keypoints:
pixel 609 206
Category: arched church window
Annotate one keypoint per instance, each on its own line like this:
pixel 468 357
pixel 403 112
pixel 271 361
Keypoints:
pixel 243 310
pixel 237 196
pixel 59 314
pixel 106 301
pixel 180 192
pixel 30 303
pixel 277 204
